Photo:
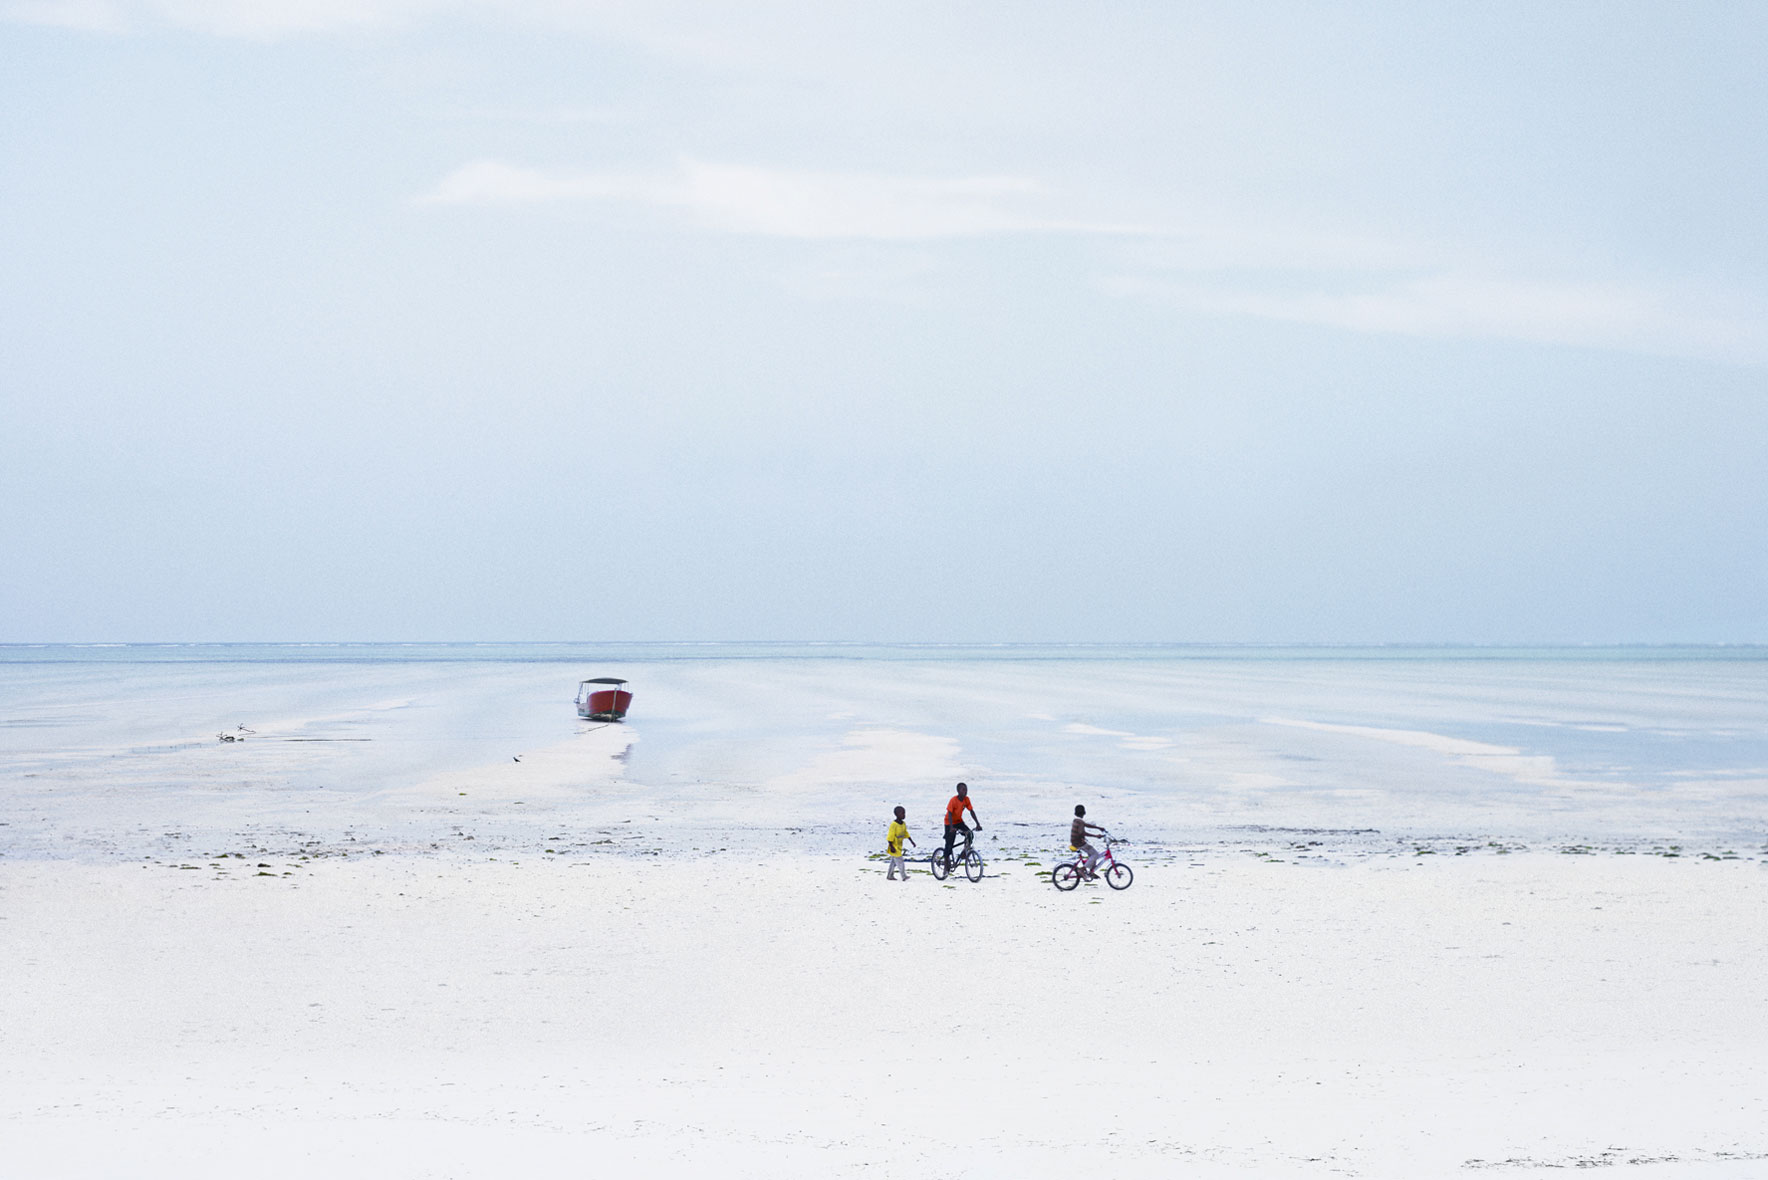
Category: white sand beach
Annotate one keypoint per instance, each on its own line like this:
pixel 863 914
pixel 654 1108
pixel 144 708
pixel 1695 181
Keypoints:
pixel 796 1015
pixel 577 961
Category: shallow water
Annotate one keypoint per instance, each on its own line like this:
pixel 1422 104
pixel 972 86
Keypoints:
pixel 114 751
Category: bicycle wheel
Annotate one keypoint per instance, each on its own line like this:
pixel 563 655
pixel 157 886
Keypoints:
pixel 1119 876
pixel 940 865
pixel 973 865
pixel 1065 877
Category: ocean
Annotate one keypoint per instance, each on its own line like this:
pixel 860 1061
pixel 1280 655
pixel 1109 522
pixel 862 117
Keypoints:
pixel 116 751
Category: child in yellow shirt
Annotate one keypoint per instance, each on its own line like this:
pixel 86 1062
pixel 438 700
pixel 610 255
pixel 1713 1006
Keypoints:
pixel 894 835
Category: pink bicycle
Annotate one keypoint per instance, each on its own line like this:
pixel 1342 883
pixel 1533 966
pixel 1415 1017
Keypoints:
pixel 1070 873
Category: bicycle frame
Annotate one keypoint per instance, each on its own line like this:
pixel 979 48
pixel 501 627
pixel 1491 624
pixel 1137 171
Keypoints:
pixel 961 855
pixel 1105 857
pixel 1068 873
pixel 967 835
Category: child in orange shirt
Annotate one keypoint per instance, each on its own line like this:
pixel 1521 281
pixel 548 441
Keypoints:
pixel 954 818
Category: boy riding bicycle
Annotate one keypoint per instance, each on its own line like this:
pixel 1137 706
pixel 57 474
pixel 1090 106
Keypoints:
pixel 1077 838
pixel 954 819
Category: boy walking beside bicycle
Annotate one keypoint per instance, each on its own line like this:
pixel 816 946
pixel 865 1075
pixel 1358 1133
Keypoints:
pixel 894 835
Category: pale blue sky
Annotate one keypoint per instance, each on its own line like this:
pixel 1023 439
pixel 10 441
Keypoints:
pixel 557 320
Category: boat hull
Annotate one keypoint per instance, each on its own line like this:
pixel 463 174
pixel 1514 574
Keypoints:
pixel 607 705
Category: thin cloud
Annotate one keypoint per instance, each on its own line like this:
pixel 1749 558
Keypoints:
pixel 872 271
pixel 267 21
pixel 559 116
pixel 1456 304
pixel 88 16
pixel 488 182
pixel 254 20
pixel 1354 283
pixel 785 203
pixel 763 34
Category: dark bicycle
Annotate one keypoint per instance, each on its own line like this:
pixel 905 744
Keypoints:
pixel 1070 873
pixel 941 862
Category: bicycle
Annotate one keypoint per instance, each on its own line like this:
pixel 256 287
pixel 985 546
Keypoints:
pixel 1070 873
pixel 940 862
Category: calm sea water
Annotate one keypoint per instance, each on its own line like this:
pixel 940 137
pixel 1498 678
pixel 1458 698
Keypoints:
pixel 575 653
pixel 104 749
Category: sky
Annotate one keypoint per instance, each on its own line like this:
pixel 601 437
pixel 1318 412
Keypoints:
pixel 568 320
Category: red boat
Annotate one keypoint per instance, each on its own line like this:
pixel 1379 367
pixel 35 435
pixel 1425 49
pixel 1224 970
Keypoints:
pixel 603 699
